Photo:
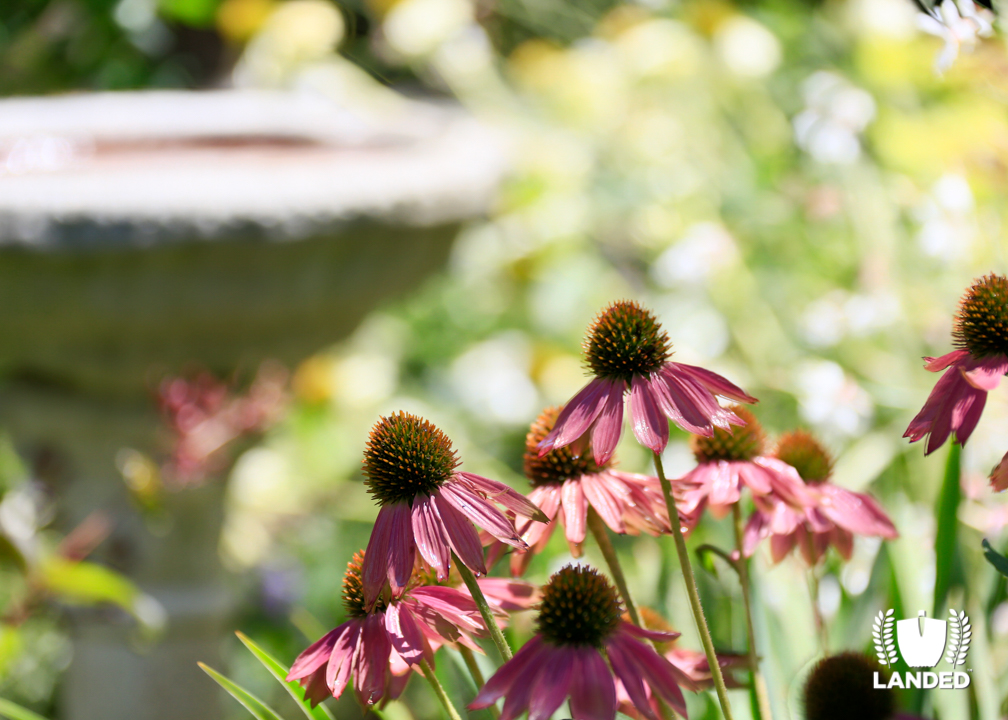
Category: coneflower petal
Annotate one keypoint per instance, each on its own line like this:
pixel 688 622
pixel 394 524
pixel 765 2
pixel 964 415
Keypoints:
pixel 608 426
pixel 429 535
pixel 317 654
pixel 402 548
pixel 650 425
pixel 372 660
pixel 577 415
pixel 609 507
pixel 715 383
pixel 377 555
pixel 503 680
pixel 480 512
pixel 632 681
pixel 504 495
pixel 405 634
pixel 575 509
pixel 461 535
pixel 341 660
pixel 592 691
pixel 553 684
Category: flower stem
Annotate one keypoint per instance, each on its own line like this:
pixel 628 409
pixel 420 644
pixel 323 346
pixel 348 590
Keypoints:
pixel 759 684
pixel 477 595
pixel 820 621
pixel 446 703
pixel 601 535
pixel 691 590
pixel 477 674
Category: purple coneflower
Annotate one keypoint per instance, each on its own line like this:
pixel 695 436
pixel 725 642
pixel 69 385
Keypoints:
pixel 843 686
pixel 427 505
pixel 981 334
pixel 579 629
pixel 565 486
pixel 380 645
pixel 627 350
pixel 834 516
pixel 730 460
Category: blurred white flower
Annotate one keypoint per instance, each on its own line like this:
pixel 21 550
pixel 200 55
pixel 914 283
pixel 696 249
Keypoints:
pixel 831 401
pixel 747 48
pixel 836 113
pixel 415 28
pixel 948 223
pixel 961 24
pixel 365 378
pixel 492 379
pixel 837 314
pixel 889 18
pixel 704 249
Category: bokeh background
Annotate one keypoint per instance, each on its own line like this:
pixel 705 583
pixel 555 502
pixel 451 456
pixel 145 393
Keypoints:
pixel 420 205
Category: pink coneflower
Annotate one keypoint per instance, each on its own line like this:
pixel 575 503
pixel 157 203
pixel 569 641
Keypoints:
pixel 579 629
pixel 565 486
pixel 627 350
pixel 834 516
pixel 981 334
pixel 427 505
pixel 380 646
pixel 729 461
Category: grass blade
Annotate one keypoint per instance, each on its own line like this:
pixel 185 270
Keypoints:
pixel 259 709
pixel 999 561
pixel 279 671
pixel 16 712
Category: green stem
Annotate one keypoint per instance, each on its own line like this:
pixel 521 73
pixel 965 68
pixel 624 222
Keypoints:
pixel 742 565
pixel 477 595
pixel 691 590
pixel 601 535
pixel 446 703
pixel 477 674
pixel 813 584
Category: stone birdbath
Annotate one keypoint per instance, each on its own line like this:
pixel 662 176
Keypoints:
pixel 144 233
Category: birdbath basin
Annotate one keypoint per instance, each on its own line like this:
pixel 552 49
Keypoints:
pixel 146 233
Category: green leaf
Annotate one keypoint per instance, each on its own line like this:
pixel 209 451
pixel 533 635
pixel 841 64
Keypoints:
pixel 259 709
pixel 16 712
pixel 9 552
pixel 197 13
pixel 999 561
pixel 946 547
pixel 279 671
pixel 88 583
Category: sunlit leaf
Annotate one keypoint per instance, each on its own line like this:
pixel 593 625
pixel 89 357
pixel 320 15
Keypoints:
pixel 16 712
pixel 279 671
pixel 259 709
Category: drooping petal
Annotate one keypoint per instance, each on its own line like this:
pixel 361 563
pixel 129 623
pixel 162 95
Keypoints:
pixel 317 654
pixel 371 661
pixel 577 416
pixel 715 383
pixel 498 685
pixel 407 638
pixel 781 545
pixel 609 508
pixel 461 534
pixel 723 490
pixel 650 425
pixel 987 374
pixel 856 512
pixel 402 548
pixel 575 508
pixel 662 676
pixel 625 669
pixel 645 634
pixel 678 403
pixel 953 405
pixel 429 534
pixel 999 475
pixel 504 495
pixel 553 683
pixel 940 363
pixel 592 690
pixel 509 595
pixel 608 427
pixel 756 529
pixel 341 661
pixel 377 560
pixel 480 512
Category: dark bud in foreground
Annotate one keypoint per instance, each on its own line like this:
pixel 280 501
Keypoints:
pixel 842 687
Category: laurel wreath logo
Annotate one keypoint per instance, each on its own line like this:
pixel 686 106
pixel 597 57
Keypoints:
pixel 883 634
pixel 960 632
